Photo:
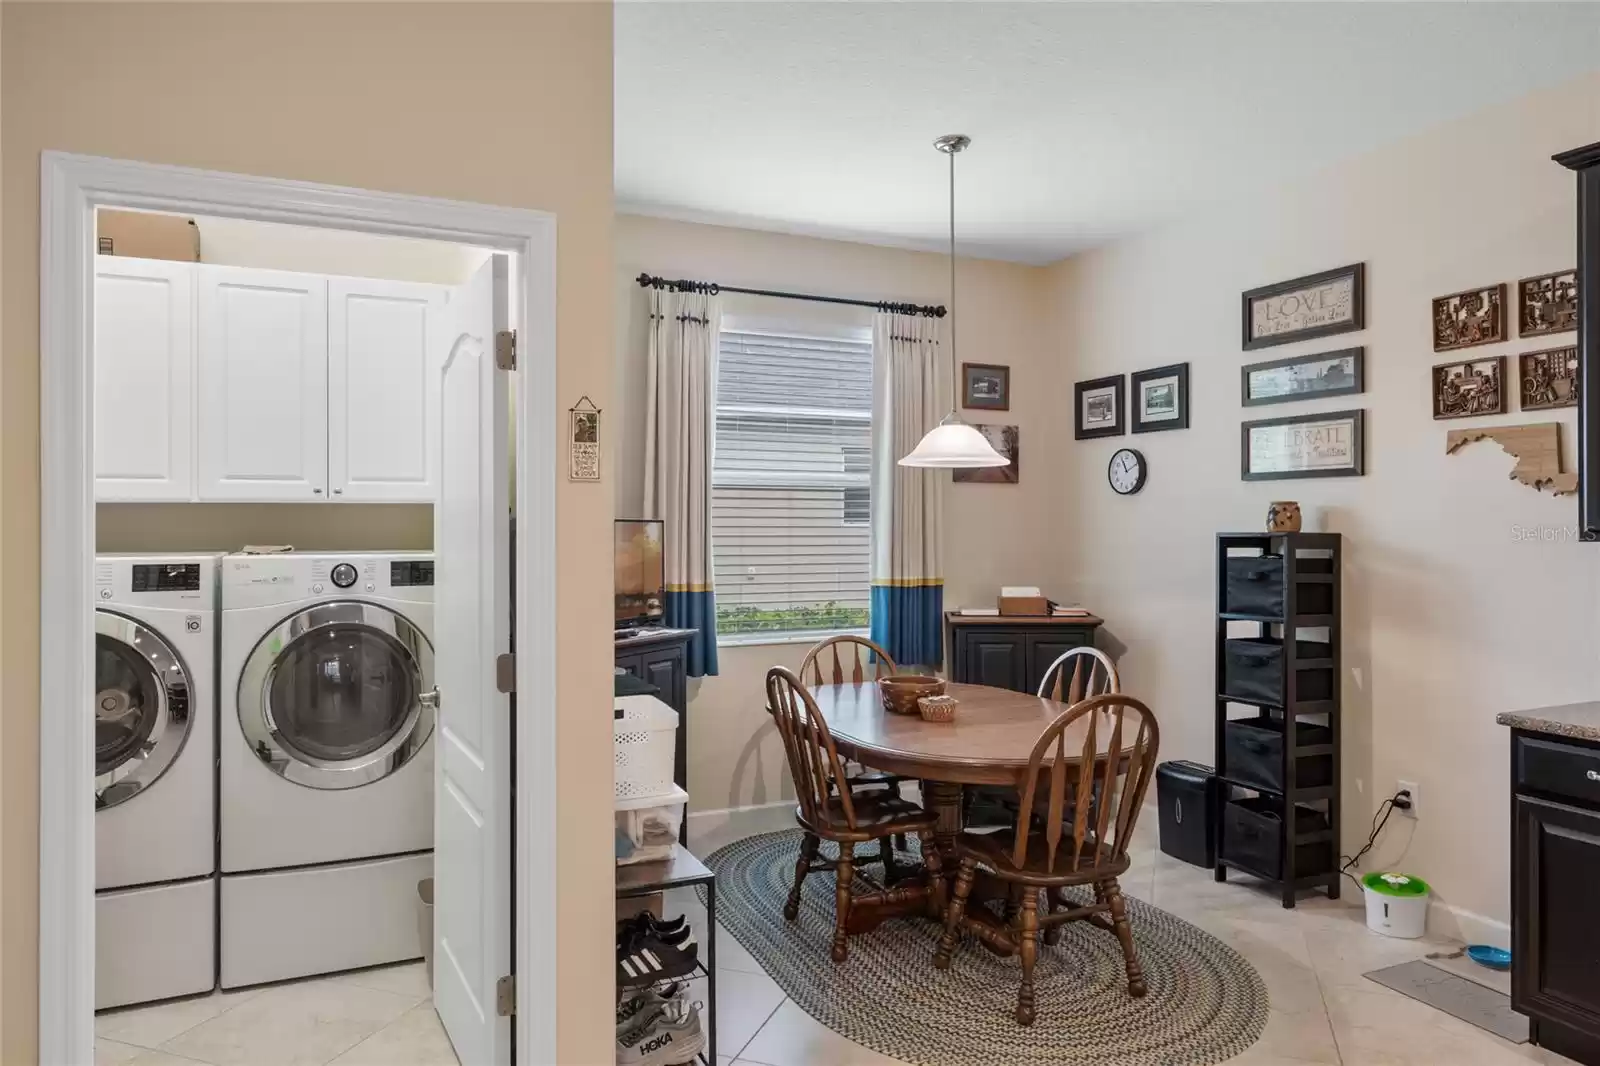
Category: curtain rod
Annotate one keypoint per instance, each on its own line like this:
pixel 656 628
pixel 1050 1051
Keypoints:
pixel 649 281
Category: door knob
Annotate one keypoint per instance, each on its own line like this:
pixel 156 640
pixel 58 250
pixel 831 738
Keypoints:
pixel 338 492
pixel 317 491
pixel 430 699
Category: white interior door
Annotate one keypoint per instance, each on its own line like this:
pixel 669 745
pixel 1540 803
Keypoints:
pixel 472 626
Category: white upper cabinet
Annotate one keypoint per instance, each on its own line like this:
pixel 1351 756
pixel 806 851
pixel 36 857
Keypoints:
pixel 144 402
pixel 263 366
pixel 383 389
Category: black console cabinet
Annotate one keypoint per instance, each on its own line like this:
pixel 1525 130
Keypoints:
pixel 1555 866
pixel 659 657
pixel 1013 651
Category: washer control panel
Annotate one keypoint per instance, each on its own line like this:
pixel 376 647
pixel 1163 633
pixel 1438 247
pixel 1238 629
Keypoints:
pixel 344 575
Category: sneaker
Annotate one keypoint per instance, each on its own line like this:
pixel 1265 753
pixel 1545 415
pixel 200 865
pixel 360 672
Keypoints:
pixel 668 1037
pixel 644 921
pixel 648 958
pixel 633 1009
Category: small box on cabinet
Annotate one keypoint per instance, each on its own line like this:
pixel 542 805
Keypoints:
pixel 644 739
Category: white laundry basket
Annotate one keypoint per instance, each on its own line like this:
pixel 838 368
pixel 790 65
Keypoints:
pixel 1397 904
pixel 645 735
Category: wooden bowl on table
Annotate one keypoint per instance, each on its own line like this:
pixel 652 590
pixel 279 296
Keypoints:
pixel 902 691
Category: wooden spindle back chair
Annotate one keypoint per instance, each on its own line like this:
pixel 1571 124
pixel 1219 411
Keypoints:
pixel 1079 674
pixel 848 659
pixel 1082 791
pixel 827 809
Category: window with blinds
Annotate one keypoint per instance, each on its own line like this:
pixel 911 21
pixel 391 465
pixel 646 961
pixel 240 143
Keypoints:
pixel 791 482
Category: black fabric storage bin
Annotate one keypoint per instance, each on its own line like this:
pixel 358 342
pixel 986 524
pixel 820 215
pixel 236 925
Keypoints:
pixel 1185 792
pixel 1252 837
pixel 1252 669
pixel 1252 753
pixel 1253 585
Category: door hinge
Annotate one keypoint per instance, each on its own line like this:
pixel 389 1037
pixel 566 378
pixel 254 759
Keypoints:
pixel 505 996
pixel 505 349
pixel 505 673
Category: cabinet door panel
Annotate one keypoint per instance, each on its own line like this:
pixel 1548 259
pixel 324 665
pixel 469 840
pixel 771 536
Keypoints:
pixel 383 389
pixel 263 385
pixel 143 379
pixel 997 659
pixel 1556 953
pixel 1046 648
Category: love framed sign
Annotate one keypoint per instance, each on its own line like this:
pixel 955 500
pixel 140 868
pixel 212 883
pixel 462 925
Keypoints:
pixel 1317 305
pixel 1320 445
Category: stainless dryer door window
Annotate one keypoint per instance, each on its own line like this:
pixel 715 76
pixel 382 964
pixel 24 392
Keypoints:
pixel 333 697
pixel 141 707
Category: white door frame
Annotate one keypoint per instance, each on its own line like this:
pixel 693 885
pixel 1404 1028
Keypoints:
pixel 71 187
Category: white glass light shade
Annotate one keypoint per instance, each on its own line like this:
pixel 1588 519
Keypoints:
pixel 954 445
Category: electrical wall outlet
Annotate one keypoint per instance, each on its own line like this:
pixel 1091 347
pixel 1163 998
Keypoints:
pixel 1411 787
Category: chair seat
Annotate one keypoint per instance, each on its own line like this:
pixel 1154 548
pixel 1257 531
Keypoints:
pixel 994 850
pixel 878 814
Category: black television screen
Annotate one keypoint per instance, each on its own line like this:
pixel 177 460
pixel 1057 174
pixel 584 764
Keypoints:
pixel 640 584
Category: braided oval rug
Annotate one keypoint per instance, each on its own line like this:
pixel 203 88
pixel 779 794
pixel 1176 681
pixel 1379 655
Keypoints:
pixel 1206 1004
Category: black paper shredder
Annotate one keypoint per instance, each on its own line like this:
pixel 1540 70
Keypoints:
pixel 1185 795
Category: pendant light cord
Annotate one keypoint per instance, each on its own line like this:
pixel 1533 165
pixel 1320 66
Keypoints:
pixel 954 405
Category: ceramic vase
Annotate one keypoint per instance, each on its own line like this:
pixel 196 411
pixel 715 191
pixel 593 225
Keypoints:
pixel 1283 516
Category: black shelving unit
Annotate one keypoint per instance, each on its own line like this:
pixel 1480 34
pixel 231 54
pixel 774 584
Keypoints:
pixel 683 870
pixel 1308 857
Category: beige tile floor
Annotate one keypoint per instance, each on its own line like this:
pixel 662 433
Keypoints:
pixel 381 1017
pixel 1311 958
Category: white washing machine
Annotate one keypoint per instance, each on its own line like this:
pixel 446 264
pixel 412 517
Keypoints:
pixel 155 777
pixel 326 722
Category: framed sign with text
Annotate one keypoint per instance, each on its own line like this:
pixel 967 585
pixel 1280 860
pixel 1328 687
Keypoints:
pixel 1320 445
pixel 1317 305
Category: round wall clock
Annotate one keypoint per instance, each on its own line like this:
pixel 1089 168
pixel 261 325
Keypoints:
pixel 1126 472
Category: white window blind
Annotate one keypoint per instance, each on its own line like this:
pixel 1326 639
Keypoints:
pixel 791 482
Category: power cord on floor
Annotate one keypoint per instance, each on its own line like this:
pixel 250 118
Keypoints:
pixel 1400 801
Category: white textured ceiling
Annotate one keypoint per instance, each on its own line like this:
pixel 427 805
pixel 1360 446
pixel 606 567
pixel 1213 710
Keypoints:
pixel 1089 121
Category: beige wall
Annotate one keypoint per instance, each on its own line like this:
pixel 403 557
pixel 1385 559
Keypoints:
pixel 515 110
pixel 228 527
pixel 1448 618
pixel 994 534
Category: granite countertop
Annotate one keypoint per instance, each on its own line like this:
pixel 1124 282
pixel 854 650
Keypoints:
pixel 1580 720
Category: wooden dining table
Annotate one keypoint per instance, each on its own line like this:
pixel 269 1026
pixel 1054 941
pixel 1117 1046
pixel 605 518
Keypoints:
pixel 989 743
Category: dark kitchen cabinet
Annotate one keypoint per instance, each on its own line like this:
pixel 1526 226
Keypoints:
pixel 1555 866
pixel 1011 652
pixel 1585 162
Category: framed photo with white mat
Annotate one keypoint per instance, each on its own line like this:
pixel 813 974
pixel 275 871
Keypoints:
pixel 1161 398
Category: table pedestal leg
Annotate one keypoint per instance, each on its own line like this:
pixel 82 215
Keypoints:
pixel 944 799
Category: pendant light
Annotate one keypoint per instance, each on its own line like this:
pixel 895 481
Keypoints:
pixel 953 444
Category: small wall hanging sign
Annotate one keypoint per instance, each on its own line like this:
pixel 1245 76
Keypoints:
pixel 1476 387
pixel 584 457
pixel 1317 305
pixel 1302 377
pixel 1549 378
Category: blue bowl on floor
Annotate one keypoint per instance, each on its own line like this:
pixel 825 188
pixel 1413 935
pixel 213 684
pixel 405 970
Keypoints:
pixel 1492 957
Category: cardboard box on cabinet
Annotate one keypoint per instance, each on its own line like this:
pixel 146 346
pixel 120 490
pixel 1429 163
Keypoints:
pixel 146 235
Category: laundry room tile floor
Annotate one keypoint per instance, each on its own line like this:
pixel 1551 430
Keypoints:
pixel 381 1017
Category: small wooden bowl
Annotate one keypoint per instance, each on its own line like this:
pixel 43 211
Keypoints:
pixel 901 691
pixel 938 708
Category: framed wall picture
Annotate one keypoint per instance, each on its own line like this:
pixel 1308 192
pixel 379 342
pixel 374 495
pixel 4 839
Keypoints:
pixel 1097 407
pixel 1466 319
pixel 1547 304
pixel 1317 305
pixel 1160 398
pixel 1007 440
pixel 1466 389
pixel 1303 377
pixel 985 386
pixel 1320 445
pixel 1548 378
